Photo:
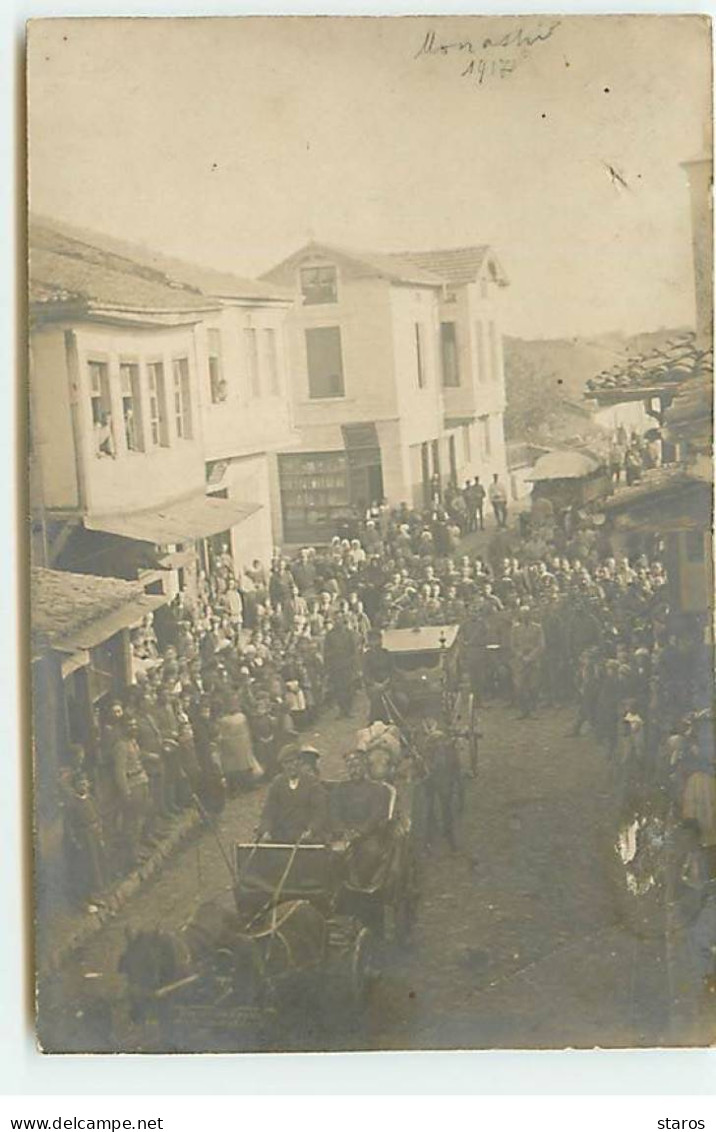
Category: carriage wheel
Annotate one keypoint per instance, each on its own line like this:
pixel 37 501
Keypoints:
pixel 362 972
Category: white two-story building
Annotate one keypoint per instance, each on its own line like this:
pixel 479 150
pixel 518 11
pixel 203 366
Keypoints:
pixel 140 384
pixel 396 375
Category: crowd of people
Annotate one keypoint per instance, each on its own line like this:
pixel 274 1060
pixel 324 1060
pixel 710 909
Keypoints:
pixel 227 677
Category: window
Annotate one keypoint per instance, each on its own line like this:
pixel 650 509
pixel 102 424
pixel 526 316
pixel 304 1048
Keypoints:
pixel 157 405
pixel 252 362
pixel 217 381
pixel 100 401
pixel 480 350
pixel 271 355
pixel 131 406
pixel 494 353
pixel 485 436
pixel 182 398
pixel 466 443
pixel 325 363
pixel 319 285
pixel 419 355
pixel 451 369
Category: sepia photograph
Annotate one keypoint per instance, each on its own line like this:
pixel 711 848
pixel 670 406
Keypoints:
pixel 369 385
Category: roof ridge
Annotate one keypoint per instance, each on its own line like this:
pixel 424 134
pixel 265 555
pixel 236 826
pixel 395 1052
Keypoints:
pixel 435 251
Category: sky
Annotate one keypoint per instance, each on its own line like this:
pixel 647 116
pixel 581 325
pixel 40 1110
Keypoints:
pixel 231 142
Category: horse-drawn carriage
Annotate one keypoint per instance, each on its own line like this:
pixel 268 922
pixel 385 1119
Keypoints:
pixel 429 681
pixel 301 945
pixel 362 883
pixel 309 921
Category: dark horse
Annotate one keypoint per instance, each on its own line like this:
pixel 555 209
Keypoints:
pixel 219 959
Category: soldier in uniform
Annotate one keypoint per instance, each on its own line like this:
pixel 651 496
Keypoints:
pixel 132 786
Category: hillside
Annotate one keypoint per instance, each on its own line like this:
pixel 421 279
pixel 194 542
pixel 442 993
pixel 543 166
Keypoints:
pixel 544 375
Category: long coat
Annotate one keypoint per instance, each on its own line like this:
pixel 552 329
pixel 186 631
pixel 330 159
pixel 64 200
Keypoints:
pixel 292 810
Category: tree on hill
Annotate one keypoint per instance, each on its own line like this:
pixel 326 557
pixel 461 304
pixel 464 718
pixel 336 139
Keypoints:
pixel 531 410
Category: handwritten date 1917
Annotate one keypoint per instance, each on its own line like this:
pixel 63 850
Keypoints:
pixel 483 69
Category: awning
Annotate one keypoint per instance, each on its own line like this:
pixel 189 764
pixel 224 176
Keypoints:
pixel 97 632
pixel 198 516
pixel 457 420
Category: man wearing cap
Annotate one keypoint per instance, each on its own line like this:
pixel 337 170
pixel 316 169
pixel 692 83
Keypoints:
pixel 296 807
pixel 310 759
pixel 498 499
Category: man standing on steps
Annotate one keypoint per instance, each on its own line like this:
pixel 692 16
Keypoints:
pixel 498 499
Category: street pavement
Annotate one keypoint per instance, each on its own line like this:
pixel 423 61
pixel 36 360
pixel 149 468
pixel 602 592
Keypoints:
pixel 518 942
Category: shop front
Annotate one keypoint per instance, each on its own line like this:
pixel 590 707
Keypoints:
pixel 323 493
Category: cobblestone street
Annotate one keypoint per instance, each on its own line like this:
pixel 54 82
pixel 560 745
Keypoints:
pixel 518 942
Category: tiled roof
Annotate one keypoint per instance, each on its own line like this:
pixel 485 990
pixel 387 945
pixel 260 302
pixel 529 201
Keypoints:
pixel 656 481
pixel 64 269
pixel 386 266
pixel 63 603
pixel 175 275
pixel 455 265
pixel 398 267
pixel 679 361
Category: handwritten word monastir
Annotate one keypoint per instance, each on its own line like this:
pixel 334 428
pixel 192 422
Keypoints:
pixel 477 52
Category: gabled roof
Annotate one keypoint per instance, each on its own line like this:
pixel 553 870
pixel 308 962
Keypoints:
pixel 458 265
pixel 204 283
pixel 384 265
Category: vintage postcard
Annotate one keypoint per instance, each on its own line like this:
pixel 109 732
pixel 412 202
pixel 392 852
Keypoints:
pixel 370 380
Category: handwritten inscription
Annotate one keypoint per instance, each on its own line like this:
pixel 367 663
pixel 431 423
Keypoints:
pixel 490 56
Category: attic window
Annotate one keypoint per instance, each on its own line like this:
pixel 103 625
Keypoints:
pixel 319 285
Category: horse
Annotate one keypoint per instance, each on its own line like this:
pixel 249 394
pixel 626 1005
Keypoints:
pixel 219 956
